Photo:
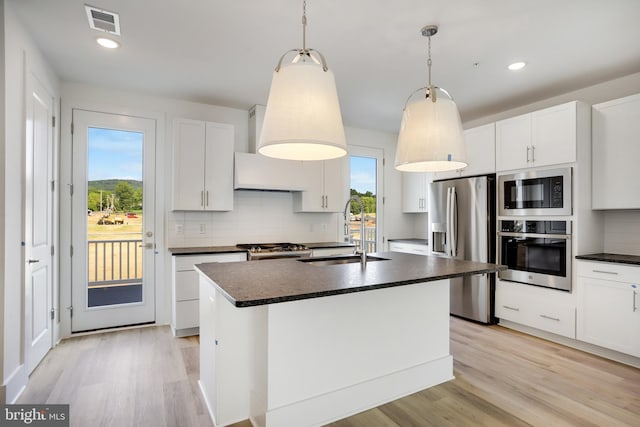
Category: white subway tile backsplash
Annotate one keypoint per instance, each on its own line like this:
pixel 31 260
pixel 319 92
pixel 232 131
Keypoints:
pixel 622 232
pixel 257 217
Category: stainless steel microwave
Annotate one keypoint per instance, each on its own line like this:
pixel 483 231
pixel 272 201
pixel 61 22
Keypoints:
pixel 533 193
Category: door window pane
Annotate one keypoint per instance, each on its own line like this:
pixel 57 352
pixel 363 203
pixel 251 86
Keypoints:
pixel 114 224
pixel 364 185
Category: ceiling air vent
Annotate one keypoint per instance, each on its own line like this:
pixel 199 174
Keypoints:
pixel 103 20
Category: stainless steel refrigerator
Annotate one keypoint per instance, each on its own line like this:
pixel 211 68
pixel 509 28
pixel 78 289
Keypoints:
pixel 462 213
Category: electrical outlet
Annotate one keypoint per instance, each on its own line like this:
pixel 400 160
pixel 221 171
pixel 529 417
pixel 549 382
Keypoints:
pixel 179 228
pixel 203 228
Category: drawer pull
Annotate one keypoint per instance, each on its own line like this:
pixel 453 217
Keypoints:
pixel 605 272
pixel 635 307
pixel 544 316
pixel 511 308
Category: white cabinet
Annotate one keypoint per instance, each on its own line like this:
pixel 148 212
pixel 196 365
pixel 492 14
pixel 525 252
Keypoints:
pixel 539 308
pixel 415 192
pixel 615 134
pixel 224 356
pixel 325 188
pixel 480 146
pixel 609 306
pixel 184 287
pixel 410 248
pixel 542 138
pixel 202 165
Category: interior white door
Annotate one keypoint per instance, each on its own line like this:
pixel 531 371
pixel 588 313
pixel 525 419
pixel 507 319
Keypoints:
pixel 113 246
pixel 38 224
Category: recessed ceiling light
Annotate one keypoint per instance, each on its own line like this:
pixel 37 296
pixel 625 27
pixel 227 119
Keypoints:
pixel 517 66
pixel 108 43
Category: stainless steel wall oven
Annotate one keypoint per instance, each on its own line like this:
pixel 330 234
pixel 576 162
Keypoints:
pixel 536 252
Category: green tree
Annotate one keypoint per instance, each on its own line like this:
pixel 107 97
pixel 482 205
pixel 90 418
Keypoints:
pixel 137 199
pixel 125 196
pixel 93 200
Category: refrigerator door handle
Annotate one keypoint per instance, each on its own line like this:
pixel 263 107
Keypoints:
pixel 454 222
pixel 447 236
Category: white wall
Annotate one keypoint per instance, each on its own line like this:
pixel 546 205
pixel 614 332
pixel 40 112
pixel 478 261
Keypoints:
pixel 22 59
pixel 3 148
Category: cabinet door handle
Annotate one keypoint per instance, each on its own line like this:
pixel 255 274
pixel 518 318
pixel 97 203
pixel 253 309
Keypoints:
pixel 528 148
pixel 326 202
pixel 533 154
pixel 511 308
pixel 605 272
pixel 635 307
pixel 544 316
pixel 201 198
pixel 207 198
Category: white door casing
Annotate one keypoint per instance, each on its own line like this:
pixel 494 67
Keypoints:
pixel 84 318
pixel 38 236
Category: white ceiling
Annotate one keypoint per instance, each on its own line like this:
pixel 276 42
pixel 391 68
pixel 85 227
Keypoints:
pixel 223 51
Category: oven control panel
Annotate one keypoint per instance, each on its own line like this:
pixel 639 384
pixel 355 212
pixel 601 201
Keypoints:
pixel 535 226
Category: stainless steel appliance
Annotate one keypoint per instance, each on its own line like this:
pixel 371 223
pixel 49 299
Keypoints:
pixel 545 192
pixel 261 251
pixel 462 213
pixel 536 252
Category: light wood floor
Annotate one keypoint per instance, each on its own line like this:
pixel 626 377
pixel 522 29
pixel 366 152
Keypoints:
pixel 145 377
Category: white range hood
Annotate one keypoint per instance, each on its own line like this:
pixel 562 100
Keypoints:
pixel 257 172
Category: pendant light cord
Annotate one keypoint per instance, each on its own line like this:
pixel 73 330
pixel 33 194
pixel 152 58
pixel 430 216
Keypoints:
pixel 430 89
pixel 304 27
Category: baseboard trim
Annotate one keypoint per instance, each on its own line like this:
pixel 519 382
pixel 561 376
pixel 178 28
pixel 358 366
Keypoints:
pixel 578 345
pixel 15 384
pixel 326 408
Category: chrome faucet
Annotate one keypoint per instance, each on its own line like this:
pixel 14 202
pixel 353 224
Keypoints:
pixel 363 249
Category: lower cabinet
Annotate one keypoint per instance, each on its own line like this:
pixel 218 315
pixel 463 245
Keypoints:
pixel 609 306
pixel 185 318
pixel 535 307
pixel 410 248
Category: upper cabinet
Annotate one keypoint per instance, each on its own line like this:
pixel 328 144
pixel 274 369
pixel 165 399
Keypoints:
pixel 325 186
pixel 202 166
pixel 480 146
pixel 542 138
pixel 616 150
pixel 415 196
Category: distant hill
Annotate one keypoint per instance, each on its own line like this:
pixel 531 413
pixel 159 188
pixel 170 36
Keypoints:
pixel 110 184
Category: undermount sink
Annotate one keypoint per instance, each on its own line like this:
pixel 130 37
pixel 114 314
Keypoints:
pixel 349 259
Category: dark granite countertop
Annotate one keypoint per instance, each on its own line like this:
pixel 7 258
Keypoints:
pixel 411 240
pixel 272 281
pixel 200 250
pixel 616 258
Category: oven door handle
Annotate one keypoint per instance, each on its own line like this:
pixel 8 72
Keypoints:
pixel 535 235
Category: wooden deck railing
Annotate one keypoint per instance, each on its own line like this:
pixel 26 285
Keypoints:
pixel 113 262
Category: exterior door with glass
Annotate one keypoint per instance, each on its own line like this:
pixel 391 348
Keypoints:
pixel 112 222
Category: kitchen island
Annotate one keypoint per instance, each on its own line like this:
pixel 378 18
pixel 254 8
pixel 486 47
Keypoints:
pixel 306 342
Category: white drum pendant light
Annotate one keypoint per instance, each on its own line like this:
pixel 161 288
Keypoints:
pixel 430 138
pixel 302 120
